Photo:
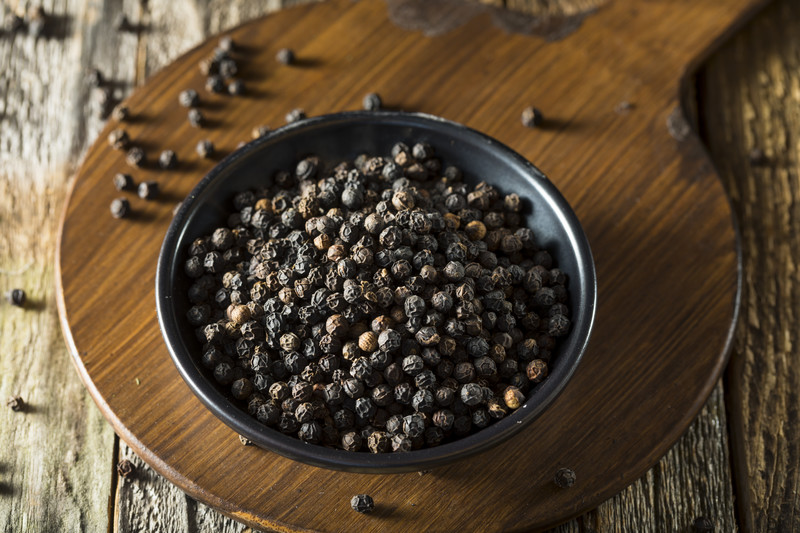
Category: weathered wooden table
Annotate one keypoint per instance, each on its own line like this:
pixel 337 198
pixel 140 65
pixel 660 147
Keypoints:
pixel 737 464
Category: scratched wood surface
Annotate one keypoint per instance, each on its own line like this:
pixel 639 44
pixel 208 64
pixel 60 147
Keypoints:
pixel 56 464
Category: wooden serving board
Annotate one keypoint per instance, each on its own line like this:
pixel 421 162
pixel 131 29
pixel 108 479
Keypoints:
pixel 655 213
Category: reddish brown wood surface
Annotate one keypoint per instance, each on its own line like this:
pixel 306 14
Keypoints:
pixel 655 213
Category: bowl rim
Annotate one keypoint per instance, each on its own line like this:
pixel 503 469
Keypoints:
pixel 364 462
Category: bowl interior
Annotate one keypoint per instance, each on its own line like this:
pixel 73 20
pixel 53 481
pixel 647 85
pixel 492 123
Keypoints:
pixel 341 137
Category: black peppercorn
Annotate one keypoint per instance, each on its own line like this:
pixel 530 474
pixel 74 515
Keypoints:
pixel 118 139
pixel 121 113
pixel 564 478
pixel 196 118
pixel 294 115
pixel 702 524
pixel 362 503
pixel 188 98
pixel 372 102
pixel 532 117
pixel 227 68
pixel 135 157
pixel 285 56
pixel 205 149
pixel 214 84
pixel 123 182
pixel 148 190
pixel 120 208
pixel 15 403
pixel 167 159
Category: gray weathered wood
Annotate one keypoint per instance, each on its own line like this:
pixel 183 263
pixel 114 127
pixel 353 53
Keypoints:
pixel 55 463
pixel 751 92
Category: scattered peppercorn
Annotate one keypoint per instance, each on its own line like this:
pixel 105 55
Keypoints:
pixel 148 190
pixel 372 102
pixel 757 157
pixel 564 478
pixel 294 115
pixel 135 157
pixel 702 524
pixel 362 503
pixel 118 139
pixel 120 208
pixel 236 88
pixel 17 297
pixel 188 98
pixel 196 118
pixel 123 182
pixel 121 113
pixel 532 117
pixel 259 131
pixel 205 148
pixel 370 307
pixel 125 468
pixel 121 23
pixel 214 84
pixel 167 160
pixel 285 56
pixel 15 403
pixel 94 78
pixel 37 20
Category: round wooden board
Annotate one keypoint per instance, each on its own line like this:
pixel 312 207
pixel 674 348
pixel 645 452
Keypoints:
pixel 655 213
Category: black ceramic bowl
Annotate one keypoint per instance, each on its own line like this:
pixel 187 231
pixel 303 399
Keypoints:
pixel 343 136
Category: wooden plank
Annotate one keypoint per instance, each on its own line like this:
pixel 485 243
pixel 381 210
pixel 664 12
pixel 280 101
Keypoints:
pixel 751 95
pixel 56 458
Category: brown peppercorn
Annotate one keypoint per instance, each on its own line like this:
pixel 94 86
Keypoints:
pixel 368 341
pixel 452 222
pixel 287 295
pixel 475 230
pixel 381 323
pixel 513 397
pixel 125 468
pixel 290 342
pixel 263 204
pixel 337 325
pixel 403 200
pixel 337 252
pixel 238 314
pixel 323 241
pixel 512 203
pixel 536 370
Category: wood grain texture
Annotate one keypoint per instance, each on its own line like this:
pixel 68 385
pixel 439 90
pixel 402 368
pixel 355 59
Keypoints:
pixel 625 232
pixel 56 456
pixel 751 94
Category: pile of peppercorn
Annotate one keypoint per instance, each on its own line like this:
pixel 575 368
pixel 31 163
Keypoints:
pixel 380 305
